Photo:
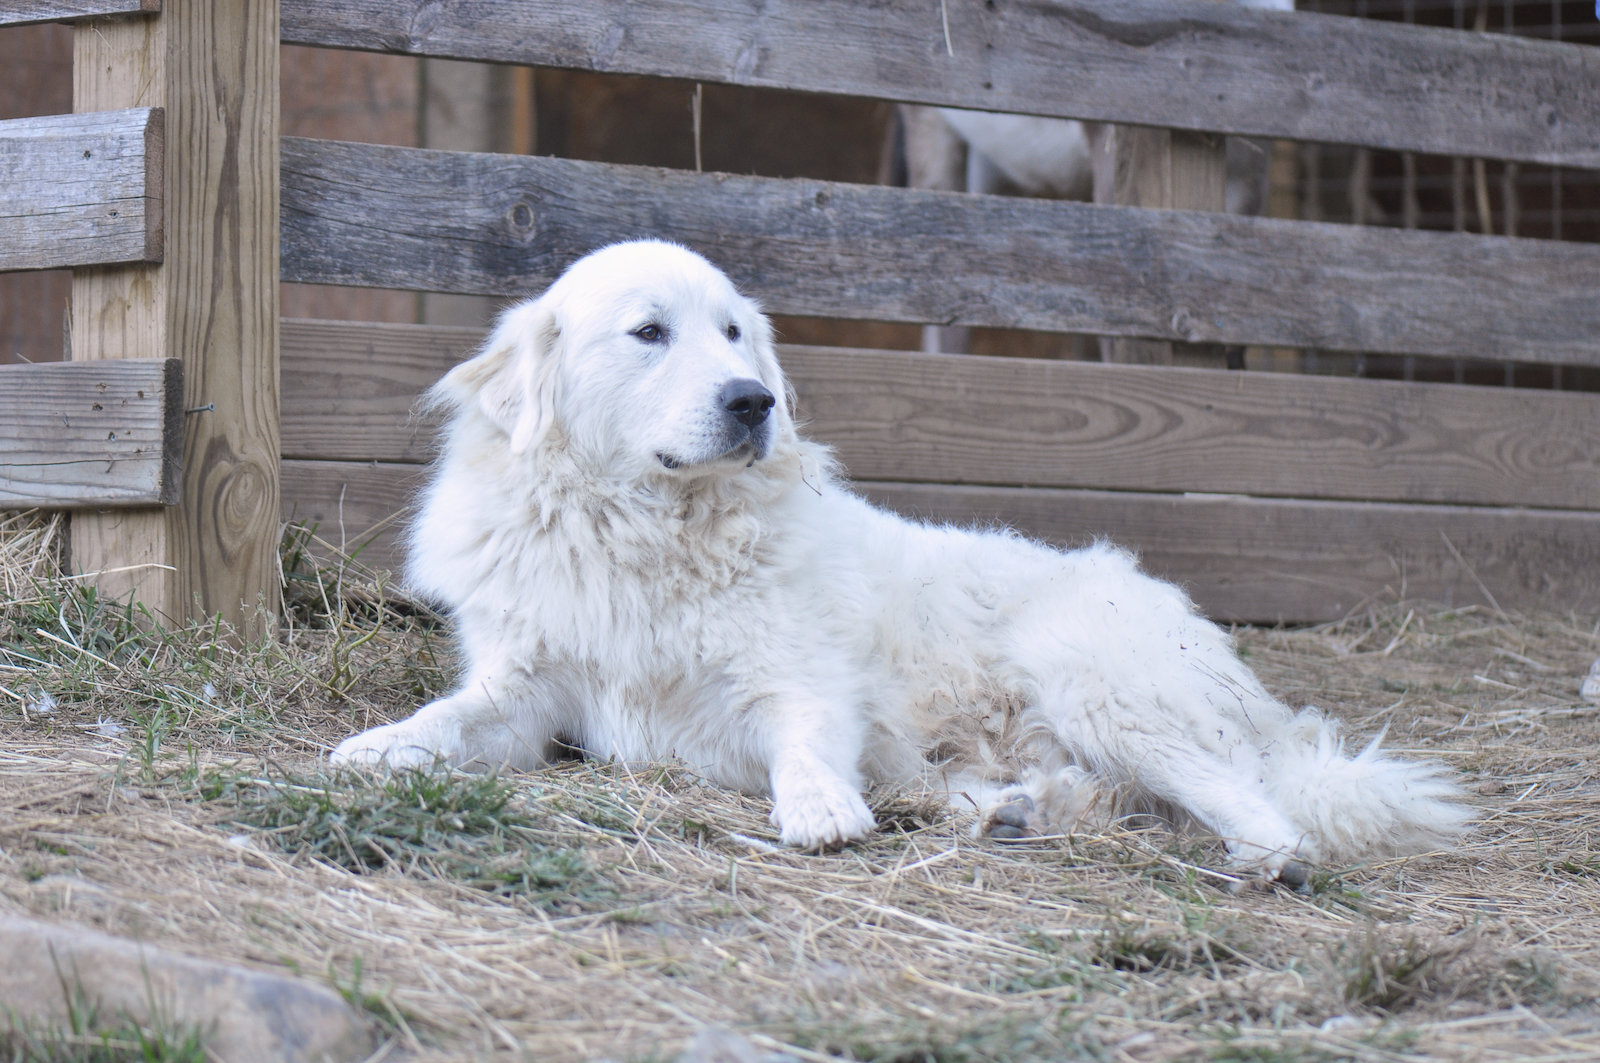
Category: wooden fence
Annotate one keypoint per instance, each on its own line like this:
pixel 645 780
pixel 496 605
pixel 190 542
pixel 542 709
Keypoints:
pixel 163 191
pixel 1273 497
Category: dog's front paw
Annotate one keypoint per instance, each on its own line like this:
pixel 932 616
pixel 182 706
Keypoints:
pixel 394 745
pixel 820 816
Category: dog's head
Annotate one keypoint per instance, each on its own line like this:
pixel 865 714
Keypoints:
pixel 642 358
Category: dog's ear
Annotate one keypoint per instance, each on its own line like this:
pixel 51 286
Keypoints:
pixel 512 379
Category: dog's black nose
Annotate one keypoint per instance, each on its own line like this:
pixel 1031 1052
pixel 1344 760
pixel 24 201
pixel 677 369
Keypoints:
pixel 747 400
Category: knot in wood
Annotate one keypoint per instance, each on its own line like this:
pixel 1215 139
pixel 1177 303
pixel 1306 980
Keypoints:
pixel 1183 324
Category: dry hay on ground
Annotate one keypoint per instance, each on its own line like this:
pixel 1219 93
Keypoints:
pixel 173 788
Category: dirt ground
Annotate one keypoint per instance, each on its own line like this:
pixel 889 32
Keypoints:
pixel 174 788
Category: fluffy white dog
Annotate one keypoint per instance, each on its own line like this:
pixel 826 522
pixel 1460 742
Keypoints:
pixel 646 561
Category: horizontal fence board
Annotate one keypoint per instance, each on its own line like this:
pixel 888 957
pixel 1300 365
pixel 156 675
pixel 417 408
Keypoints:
pixel 349 389
pixel 1242 559
pixel 1280 560
pixel 81 189
pixel 22 12
pixel 1188 64
pixel 359 507
pixel 392 217
pixel 91 434
pixel 1004 421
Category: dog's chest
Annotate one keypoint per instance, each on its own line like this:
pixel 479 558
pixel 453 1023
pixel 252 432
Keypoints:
pixel 652 695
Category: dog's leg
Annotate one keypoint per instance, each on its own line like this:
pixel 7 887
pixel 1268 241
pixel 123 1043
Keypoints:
pixel 1220 797
pixel 1228 801
pixel 1153 743
pixel 815 754
pixel 479 726
pixel 1047 801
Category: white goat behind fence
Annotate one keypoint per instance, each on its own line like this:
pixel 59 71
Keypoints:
pixel 989 152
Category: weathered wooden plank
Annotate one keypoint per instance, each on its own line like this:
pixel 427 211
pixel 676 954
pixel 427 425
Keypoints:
pixel 1282 560
pixel 349 389
pixel 106 434
pixel 381 216
pixel 213 66
pixel 1242 559
pixel 80 189
pixel 1165 169
pixel 1003 421
pixel 1188 64
pixel 360 507
pixel 22 12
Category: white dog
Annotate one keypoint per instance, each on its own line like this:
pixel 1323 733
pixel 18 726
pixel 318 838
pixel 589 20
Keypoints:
pixel 645 560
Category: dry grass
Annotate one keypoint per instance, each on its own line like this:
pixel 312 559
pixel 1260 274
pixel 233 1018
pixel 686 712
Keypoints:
pixel 173 787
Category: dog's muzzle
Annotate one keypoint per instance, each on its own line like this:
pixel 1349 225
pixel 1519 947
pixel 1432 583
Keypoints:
pixel 745 435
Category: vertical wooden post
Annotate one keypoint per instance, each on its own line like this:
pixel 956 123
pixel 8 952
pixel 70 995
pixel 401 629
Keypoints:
pixel 1135 166
pixel 212 301
pixel 464 107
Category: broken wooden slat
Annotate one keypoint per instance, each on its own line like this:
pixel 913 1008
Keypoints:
pixel 81 189
pixel 81 434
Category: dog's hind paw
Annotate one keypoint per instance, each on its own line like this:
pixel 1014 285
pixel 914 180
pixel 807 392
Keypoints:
pixel 1009 820
pixel 1272 867
pixel 1295 875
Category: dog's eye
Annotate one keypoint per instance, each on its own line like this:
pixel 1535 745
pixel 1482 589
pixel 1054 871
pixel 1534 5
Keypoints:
pixel 651 333
pixel 733 331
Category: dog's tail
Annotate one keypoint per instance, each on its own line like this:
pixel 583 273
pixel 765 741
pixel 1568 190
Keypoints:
pixel 1368 804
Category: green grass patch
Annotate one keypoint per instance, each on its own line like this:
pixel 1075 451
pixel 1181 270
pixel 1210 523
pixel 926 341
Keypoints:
pixel 86 1035
pixel 464 828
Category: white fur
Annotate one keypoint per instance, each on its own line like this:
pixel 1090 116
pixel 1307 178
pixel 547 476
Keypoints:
pixel 630 574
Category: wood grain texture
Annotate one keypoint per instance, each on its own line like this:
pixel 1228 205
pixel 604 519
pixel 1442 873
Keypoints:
pixel 1283 561
pixel 1271 561
pixel 1000 421
pixel 359 507
pixel 213 66
pixel 392 217
pixel 349 390
pixel 1163 169
pixel 91 434
pixel 1188 64
pixel 80 189
pixel 23 12
pixel 121 312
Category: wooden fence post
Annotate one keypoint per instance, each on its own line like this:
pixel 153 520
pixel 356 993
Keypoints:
pixel 212 302
pixel 1137 166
